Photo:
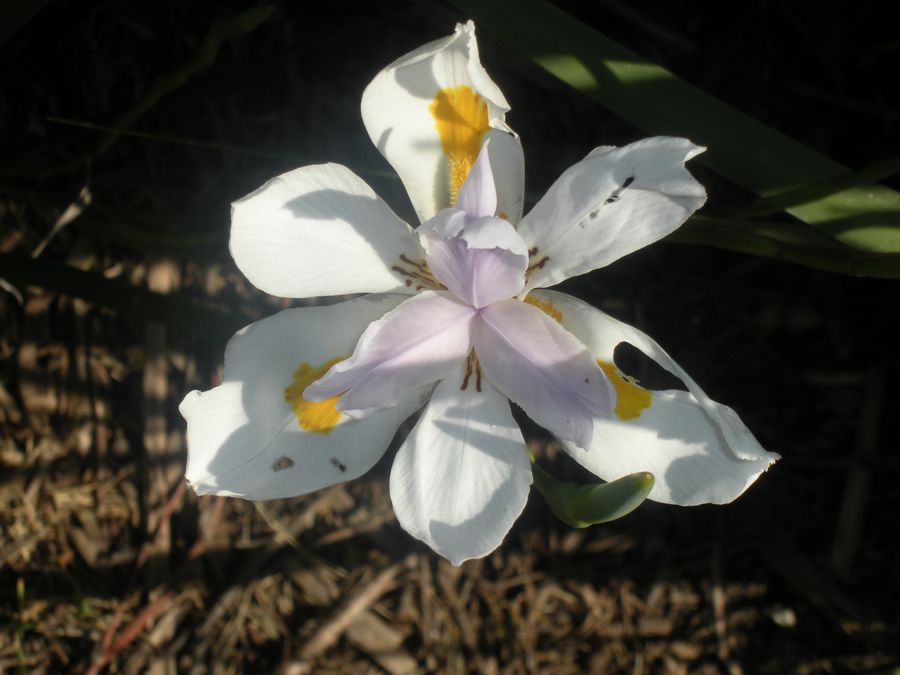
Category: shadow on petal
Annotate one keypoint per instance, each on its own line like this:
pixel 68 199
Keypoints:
pixel 335 205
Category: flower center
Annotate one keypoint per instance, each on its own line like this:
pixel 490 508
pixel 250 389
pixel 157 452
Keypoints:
pixel 316 416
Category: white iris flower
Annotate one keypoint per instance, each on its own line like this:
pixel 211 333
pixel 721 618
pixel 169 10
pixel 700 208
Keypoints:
pixel 312 396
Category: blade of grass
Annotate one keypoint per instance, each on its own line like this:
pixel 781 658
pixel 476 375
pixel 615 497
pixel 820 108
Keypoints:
pixel 183 315
pixel 734 237
pixel 786 200
pixel 15 15
pixel 211 146
pixel 796 233
pixel 742 149
pixel 176 140
pixel 224 29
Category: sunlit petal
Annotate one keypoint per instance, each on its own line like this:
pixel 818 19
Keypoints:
pixel 254 436
pixel 429 113
pixel 320 230
pixel 462 477
pixel 698 450
pixel 613 202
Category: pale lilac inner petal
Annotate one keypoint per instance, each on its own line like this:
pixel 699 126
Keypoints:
pixel 493 232
pixel 543 368
pixel 414 345
pixel 477 276
pixel 446 224
pixel 477 195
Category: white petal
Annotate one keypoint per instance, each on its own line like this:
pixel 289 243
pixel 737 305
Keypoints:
pixel 613 202
pixel 243 437
pixel 462 477
pixel 543 368
pixel 414 345
pixel 508 167
pixel 699 450
pixel 320 230
pixel 429 112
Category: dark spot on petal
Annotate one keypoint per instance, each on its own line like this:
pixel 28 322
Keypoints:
pixel 614 196
pixel 282 463
pixel 338 464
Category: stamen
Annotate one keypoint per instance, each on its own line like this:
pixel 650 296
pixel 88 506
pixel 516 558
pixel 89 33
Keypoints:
pixel 472 367
pixel 538 265
pixel 532 254
pixel 417 272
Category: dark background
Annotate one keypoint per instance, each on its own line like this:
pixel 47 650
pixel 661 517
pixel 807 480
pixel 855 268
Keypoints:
pixel 801 575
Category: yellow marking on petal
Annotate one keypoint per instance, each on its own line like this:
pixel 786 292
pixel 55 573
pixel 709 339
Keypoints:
pixel 461 118
pixel 316 416
pixel 631 398
pixel 546 307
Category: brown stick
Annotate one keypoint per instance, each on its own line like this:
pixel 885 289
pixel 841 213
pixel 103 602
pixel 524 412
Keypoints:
pixel 132 630
pixel 346 614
